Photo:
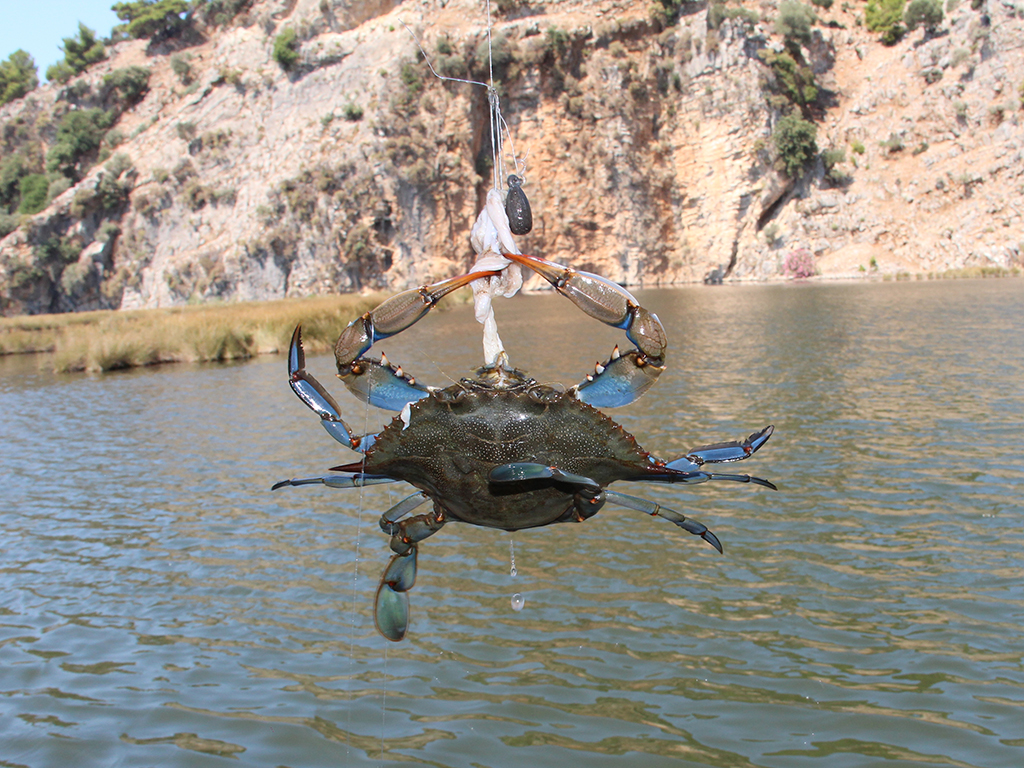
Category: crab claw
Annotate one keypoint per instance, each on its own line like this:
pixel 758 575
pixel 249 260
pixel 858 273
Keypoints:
pixel 319 400
pixel 375 381
pixel 619 381
pixel 381 385
pixel 605 301
pixel 393 316
pixel 623 378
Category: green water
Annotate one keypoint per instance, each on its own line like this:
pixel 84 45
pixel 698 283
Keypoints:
pixel 160 606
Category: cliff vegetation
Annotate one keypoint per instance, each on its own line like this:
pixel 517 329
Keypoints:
pixel 225 150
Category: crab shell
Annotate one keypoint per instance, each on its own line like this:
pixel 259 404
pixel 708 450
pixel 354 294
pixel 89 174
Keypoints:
pixel 456 436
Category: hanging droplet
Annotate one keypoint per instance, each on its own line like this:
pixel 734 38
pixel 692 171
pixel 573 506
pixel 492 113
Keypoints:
pixel 518 601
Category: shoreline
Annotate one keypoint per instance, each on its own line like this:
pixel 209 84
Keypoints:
pixel 108 340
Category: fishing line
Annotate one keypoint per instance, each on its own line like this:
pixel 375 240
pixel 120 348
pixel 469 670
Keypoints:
pixel 499 127
pixel 499 132
pixel 355 584
pixel 426 58
pixel 383 706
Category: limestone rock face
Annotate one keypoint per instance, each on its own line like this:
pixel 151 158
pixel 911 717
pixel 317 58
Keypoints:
pixel 646 149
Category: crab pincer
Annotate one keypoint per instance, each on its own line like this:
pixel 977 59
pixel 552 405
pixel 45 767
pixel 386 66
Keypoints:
pixel 623 377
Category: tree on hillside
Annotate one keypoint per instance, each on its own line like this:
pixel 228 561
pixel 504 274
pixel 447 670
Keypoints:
pixel 17 76
pixel 79 53
pixel 794 23
pixel 795 141
pixel 220 12
pixel 156 19
pixel 923 13
pixel 794 80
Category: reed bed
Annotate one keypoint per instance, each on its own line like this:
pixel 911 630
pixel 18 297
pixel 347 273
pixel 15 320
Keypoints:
pixel 108 340
pixel 38 333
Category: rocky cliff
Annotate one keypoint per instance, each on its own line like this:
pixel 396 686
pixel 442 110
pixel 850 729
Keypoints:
pixel 345 165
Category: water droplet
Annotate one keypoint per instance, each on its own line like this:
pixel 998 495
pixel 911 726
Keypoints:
pixel 518 601
pixel 513 572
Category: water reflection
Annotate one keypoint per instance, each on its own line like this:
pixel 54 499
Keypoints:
pixel 161 606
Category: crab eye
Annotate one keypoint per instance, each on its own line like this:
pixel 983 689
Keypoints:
pixel 543 394
pixel 448 397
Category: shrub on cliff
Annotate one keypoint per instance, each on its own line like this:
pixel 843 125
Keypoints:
pixel 33 193
pixel 79 134
pixel 499 58
pixel 181 66
pixel 832 159
pixel 17 76
pixel 793 79
pixel 8 223
pixel 665 13
pixel 219 12
pixel 885 16
pixel 125 87
pixel 406 99
pixel 286 49
pixel 719 12
pixel 79 53
pixel 115 185
pixel 12 170
pixel 794 140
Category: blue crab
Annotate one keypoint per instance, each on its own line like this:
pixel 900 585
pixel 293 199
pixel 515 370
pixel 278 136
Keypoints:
pixel 501 450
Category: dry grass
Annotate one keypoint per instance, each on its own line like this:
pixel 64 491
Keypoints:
pixel 38 333
pixel 104 341
pixel 973 272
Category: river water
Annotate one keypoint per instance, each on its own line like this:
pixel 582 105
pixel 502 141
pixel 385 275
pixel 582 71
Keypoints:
pixel 159 605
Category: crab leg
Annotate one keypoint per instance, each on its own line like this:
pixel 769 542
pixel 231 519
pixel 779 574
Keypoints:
pixel 688 468
pixel 391 603
pixel 319 400
pixel 624 377
pixel 643 505
pixel 336 481
pixel 375 381
pixel 693 478
pixel 718 453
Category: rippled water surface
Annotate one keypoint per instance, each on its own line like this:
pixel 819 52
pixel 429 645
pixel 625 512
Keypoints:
pixel 160 606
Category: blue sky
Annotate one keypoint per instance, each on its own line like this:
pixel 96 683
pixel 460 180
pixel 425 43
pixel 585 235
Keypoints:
pixel 39 26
